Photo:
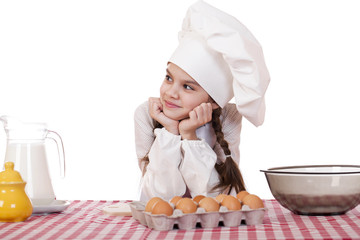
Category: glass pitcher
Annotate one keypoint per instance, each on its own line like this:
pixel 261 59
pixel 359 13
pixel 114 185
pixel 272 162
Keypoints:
pixel 26 148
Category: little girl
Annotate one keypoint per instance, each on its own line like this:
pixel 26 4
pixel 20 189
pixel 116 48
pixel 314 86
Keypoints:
pixel 187 141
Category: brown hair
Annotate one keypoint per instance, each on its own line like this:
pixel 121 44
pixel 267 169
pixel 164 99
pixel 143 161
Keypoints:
pixel 229 172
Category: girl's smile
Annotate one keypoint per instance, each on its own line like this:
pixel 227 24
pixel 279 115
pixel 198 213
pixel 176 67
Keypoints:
pixel 180 93
pixel 169 104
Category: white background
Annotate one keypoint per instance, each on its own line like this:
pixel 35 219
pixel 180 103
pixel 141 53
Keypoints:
pixel 84 66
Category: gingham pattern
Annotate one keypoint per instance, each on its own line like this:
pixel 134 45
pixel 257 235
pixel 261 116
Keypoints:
pixel 84 220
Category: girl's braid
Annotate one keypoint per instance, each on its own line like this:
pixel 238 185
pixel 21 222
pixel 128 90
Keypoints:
pixel 229 173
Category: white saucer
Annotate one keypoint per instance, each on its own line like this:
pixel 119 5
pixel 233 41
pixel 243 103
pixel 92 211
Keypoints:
pixel 55 206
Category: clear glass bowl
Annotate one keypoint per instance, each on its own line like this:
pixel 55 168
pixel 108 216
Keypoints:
pixel 316 189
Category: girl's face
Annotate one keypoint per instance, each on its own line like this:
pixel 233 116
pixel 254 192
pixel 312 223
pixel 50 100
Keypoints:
pixel 180 93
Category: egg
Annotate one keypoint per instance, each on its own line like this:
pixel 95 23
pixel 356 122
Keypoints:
pixel 220 197
pixel 186 205
pixel 175 199
pixel 150 203
pixel 253 201
pixel 162 207
pixel 241 195
pixel 198 198
pixel 209 204
pixel 231 203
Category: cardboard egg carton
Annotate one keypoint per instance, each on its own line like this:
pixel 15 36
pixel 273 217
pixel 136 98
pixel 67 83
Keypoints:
pixel 190 220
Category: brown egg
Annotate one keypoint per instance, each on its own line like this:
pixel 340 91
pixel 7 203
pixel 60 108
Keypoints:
pixel 150 203
pixel 198 198
pixel 241 195
pixel 220 197
pixel 162 207
pixel 175 199
pixel 209 204
pixel 253 201
pixel 231 203
pixel 186 205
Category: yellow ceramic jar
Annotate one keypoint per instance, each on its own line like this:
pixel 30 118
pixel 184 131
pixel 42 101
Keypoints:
pixel 15 206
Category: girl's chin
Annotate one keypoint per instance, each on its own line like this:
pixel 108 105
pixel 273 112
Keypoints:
pixel 173 116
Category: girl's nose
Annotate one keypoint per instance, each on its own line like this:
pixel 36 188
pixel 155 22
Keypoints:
pixel 173 91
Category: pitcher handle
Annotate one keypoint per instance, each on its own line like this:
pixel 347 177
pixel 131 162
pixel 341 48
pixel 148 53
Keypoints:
pixel 56 137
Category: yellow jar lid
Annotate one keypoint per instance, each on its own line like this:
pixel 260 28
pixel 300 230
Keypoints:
pixel 9 175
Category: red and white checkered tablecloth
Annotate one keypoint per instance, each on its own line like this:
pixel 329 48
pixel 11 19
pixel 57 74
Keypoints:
pixel 85 220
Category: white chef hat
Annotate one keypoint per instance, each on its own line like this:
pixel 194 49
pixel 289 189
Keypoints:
pixel 226 60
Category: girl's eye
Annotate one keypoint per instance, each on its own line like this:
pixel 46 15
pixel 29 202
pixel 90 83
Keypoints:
pixel 187 87
pixel 168 78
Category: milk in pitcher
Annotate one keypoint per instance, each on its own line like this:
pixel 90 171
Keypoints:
pixel 29 159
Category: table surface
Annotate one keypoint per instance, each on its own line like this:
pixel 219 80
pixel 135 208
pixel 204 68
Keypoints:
pixel 85 220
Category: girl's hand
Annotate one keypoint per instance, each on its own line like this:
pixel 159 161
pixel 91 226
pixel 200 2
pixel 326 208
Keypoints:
pixel 155 109
pixel 201 115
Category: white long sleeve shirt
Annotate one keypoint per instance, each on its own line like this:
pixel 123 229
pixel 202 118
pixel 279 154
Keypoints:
pixel 177 166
